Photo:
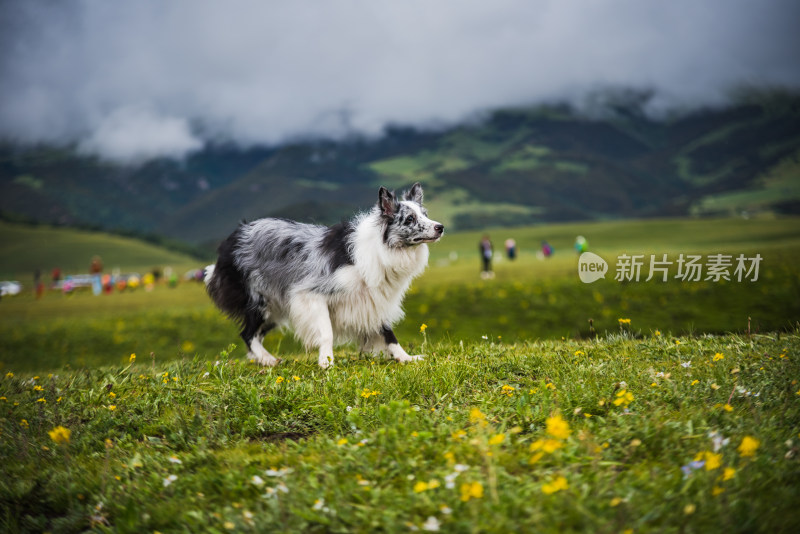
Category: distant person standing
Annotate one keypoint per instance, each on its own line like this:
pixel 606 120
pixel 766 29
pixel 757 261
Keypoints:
pixel 38 285
pixel 547 250
pixel 56 275
pixel 511 248
pixel 95 270
pixel 581 245
pixel 486 250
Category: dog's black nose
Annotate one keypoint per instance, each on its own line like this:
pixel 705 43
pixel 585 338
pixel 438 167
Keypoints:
pixel 439 229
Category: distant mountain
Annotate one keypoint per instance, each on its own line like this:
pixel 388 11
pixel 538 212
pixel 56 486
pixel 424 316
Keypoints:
pixel 515 167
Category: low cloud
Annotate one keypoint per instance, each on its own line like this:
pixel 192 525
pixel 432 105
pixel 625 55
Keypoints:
pixel 132 135
pixel 141 79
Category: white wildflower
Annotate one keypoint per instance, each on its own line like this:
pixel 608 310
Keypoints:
pixel 431 525
pixel 717 440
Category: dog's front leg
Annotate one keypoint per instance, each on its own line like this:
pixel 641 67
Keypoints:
pixel 312 322
pixel 394 349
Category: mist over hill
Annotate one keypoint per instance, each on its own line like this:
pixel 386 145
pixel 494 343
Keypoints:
pixel 513 166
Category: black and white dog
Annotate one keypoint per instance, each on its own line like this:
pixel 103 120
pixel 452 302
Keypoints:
pixel 330 285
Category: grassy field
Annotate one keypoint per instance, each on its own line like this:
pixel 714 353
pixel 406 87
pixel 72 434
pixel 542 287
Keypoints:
pixel 523 416
pixel 658 434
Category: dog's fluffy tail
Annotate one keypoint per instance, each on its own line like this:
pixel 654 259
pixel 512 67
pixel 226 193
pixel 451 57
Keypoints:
pixel 208 273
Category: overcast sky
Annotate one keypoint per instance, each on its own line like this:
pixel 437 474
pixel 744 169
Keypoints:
pixel 130 80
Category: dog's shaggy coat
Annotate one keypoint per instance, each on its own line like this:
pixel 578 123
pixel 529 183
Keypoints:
pixel 330 285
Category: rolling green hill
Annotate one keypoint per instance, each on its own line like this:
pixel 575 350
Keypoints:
pixel 25 248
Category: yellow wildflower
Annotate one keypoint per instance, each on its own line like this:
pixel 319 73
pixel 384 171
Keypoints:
pixel 718 356
pixel 279 380
pixel 716 490
pixel 476 415
pixel 712 460
pixel 557 427
pixel 624 398
pixel 748 446
pixel 24 423
pixel 9 375
pixel 624 321
pixel 423 328
pixel 728 473
pixel 557 484
pixel 547 445
pixel 458 434
pixel 112 407
pixel 341 442
pixel 420 486
pixel 60 434
pixel 497 439
pixel 132 358
pixel 471 490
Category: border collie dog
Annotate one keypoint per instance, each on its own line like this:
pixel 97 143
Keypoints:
pixel 330 285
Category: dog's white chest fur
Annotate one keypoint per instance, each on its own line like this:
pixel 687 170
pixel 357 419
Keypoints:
pixel 372 293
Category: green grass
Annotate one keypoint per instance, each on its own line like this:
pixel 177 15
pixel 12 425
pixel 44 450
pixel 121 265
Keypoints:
pixel 201 446
pixel 373 445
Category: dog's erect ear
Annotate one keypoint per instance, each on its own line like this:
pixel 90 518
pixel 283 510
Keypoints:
pixel 414 194
pixel 387 203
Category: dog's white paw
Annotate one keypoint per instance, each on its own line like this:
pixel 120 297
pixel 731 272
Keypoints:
pixel 406 358
pixel 267 360
pixel 325 362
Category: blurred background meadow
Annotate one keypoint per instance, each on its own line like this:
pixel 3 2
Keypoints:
pixel 531 297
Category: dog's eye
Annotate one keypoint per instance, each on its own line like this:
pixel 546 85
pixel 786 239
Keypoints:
pixel 409 220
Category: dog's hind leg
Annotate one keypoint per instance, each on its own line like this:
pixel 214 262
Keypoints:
pixel 393 348
pixel 255 328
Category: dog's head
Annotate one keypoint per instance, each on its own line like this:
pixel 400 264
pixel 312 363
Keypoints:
pixel 407 222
